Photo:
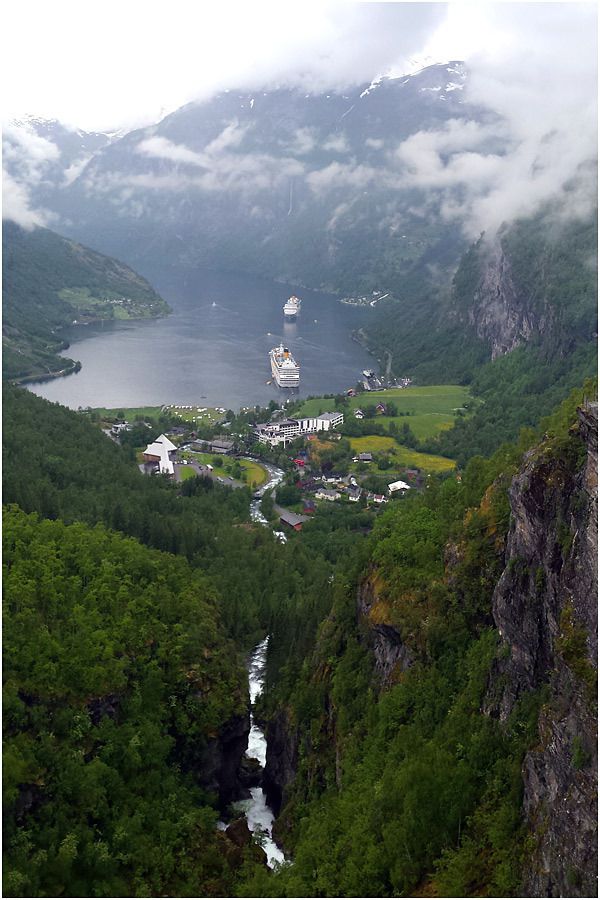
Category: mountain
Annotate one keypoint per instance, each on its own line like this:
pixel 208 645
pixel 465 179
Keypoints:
pixel 48 283
pixel 441 739
pixel 47 155
pixel 303 187
pixel 518 323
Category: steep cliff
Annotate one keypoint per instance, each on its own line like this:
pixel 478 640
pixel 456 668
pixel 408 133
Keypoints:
pixel 391 654
pixel 545 608
pixel 503 314
pixel 532 283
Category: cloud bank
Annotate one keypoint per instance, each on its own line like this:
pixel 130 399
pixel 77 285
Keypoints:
pixel 540 79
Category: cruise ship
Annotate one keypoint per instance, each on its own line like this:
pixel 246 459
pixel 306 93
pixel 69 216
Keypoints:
pixel 285 369
pixel 292 307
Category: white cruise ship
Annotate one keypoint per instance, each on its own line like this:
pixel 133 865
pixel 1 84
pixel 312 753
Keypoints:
pixel 285 369
pixel 292 307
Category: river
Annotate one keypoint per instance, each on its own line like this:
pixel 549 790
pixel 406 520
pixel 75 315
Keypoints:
pixel 259 814
pixel 213 349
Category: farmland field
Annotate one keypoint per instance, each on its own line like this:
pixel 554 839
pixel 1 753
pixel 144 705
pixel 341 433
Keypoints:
pixel 427 410
pixel 402 456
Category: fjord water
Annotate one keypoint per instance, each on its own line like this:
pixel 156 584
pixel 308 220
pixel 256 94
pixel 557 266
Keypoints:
pixel 213 349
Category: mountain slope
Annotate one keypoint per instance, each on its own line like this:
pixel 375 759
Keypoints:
pixel 286 184
pixel 440 740
pixel 519 325
pixel 48 282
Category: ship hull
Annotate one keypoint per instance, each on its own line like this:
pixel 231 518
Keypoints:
pixel 285 371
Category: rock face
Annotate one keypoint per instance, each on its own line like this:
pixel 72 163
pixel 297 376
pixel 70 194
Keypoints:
pixel 218 763
pixel 390 652
pixel 283 743
pixel 545 607
pixel 502 315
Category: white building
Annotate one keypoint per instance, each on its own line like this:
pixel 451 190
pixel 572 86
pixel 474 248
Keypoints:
pixel 396 486
pixel 325 494
pixel 287 430
pixel 159 452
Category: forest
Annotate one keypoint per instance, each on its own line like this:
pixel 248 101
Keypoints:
pixel 129 603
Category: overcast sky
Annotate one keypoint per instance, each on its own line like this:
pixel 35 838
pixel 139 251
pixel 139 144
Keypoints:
pixel 123 63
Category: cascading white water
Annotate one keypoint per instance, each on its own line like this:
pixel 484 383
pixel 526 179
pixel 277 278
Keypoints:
pixel 259 814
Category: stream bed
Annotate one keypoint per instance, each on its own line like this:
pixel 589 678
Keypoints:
pixel 259 814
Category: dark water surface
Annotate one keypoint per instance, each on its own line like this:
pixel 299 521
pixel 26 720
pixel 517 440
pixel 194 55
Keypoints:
pixel 213 348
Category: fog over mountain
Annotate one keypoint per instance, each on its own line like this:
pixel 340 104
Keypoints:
pixel 300 147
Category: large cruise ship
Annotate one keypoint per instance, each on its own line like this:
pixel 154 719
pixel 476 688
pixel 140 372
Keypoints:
pixel 285 369
pixel 292 307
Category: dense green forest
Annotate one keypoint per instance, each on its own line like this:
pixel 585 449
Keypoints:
pixel 553 271
pixel 405 789
pixel 116 675
pixel 48 282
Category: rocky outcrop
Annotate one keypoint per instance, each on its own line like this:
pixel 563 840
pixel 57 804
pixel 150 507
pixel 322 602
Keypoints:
pixel 545 607
pixel 218 762
pixel 283 741
pixel 237 844
pixel 390 652
pixel 502 314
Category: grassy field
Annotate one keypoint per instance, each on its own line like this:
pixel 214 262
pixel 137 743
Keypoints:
pixel 186 472
pixel 202 414
pixel 130 413
pixel 431 409
pixel 402 456
pixel 191 414
pixel 255 474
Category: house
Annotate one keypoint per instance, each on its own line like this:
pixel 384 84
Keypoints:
pixel 354 493
pixel 292 520
pixel 309 507
pixel 398 486
pixel 359 414
pixel 326 494
pixel 220 445
pixel 381 408
pixel 160 452
pixel 376 498
pixel 118 427
pixel 351 392
pixel 363 457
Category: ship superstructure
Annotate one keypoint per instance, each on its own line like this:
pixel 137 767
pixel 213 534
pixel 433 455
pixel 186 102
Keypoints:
pixel 285 369
pixel 292 307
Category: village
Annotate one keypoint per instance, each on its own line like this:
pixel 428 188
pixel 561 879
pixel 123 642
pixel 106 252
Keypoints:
pixel 330 452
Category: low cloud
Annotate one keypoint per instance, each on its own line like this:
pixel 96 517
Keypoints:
pixel 336 144
pixel 28 154
pixel 217 167
pixel 16 204
pixel 344 175
pixel 540 87
pixel 162 148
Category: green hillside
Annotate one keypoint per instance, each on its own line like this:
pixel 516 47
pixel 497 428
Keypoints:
pixel 50 282
pixel 545 289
